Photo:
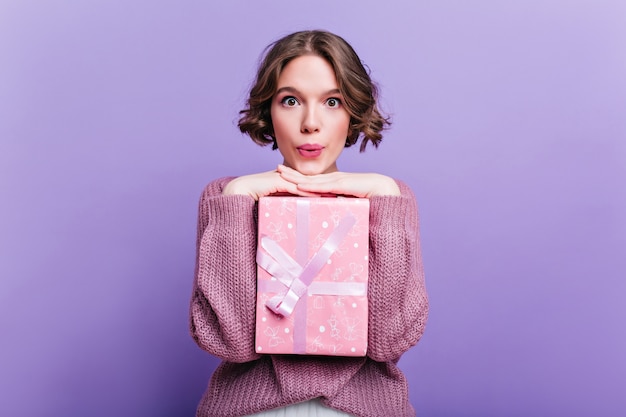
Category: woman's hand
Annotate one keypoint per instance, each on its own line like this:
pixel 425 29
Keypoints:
pixel 262 184
pixel 341 183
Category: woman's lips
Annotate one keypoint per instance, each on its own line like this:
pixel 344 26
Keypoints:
pixel 310 150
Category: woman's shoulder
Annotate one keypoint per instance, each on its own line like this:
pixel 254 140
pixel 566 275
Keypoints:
pixel 216 186
pixel 405 189
pixel 394 206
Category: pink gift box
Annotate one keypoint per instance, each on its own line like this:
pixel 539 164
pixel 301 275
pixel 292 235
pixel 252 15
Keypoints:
pixel 312 276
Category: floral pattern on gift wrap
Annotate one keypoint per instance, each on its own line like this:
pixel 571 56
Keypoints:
pixel 339 301
pixel 335 349
pixel 274 337
pixel 276 231
pixel 334 331
pixel 355 270
pixel 361 227
pixel 335 217
pixel 337 274
pixel 316 345
pixel 353 329
pixel 342 249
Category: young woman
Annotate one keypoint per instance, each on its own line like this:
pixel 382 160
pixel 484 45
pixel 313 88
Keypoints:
pixel 311 99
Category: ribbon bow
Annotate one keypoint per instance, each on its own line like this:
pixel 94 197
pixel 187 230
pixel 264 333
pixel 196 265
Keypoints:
pixel 295 277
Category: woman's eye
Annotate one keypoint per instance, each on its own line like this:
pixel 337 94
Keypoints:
pixel 289 101
pixel 333 102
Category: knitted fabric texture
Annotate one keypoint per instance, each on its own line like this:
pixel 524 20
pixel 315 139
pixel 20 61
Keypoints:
pixel 222 316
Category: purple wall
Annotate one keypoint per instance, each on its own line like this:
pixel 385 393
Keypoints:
pixel 510 126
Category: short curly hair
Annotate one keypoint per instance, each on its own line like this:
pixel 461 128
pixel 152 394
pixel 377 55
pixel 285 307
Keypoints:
pixel 358 90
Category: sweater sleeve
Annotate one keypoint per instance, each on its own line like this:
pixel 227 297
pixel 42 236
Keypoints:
pixel 398 304
pixel 223 300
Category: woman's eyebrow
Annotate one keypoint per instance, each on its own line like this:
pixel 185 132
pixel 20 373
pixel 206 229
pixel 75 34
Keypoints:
pixel 296 91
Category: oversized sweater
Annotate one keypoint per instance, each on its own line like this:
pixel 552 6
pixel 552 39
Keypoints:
pixel 222 316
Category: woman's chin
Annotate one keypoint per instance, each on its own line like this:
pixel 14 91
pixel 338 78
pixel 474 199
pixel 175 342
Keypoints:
pixel 314 169
pixel 309 172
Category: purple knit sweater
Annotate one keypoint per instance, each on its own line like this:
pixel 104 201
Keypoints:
pixel 223 316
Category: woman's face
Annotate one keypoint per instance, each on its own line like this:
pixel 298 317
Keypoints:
pixel 308 116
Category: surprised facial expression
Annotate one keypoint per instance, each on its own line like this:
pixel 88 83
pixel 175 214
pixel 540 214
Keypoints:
pixel 308 116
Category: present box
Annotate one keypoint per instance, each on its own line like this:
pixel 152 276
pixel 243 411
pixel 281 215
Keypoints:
pixel 312 259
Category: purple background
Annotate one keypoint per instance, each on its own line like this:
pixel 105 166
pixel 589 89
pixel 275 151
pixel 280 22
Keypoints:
pixel 510 126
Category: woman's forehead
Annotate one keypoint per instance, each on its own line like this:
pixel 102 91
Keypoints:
pixel 308 72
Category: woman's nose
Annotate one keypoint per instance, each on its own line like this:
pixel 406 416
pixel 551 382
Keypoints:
pixel 310 121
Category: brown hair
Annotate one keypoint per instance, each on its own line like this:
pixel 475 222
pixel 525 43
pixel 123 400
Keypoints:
pixel 355 85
